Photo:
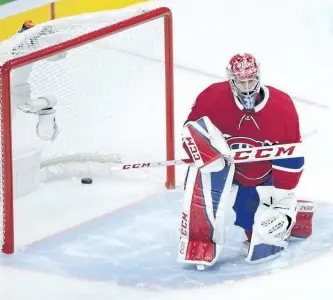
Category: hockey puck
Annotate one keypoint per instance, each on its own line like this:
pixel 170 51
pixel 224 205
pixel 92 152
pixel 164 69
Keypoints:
pixel 86 180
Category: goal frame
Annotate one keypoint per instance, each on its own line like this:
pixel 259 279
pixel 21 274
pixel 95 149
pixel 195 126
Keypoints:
pixel 5 102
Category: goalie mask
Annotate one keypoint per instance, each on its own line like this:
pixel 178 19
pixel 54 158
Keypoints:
pixel 244 76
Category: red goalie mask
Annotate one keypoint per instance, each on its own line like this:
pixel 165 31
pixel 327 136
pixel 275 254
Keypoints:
pixel 244 76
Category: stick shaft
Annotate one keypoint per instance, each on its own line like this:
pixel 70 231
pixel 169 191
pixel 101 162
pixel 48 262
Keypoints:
pixel 238 156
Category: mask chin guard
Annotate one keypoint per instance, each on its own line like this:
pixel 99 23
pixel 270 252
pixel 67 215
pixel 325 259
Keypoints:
pixel 248 101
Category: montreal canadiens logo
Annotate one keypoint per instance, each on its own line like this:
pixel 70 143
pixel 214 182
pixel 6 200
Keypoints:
pixel 243 142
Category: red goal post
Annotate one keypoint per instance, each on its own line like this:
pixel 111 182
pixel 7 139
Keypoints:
pixel 5 100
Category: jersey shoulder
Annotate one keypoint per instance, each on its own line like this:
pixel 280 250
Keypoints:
pixel 216 94
pixel 281 101
pixel 222 86
pixel 279 96
pixel 218 87
pixel 213 101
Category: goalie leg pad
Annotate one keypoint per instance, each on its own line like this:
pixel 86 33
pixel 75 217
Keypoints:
pixel 206 199
pixel 246 206
pixel 303 226
pixel 260 249
pixel 271 227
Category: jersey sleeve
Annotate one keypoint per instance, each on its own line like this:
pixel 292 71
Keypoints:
pixel 201 106
pixel 287 172
pixel 199 109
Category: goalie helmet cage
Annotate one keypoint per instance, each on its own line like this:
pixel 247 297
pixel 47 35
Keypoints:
pixel 7 66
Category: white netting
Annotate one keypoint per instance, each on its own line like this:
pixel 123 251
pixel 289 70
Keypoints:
pixel 106 92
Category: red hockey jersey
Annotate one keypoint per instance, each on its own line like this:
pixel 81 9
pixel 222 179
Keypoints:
pixel 274 120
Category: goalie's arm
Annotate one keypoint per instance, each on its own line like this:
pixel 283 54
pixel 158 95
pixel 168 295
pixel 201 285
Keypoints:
pixel 201 106
pixel 199 109
pixel 287 172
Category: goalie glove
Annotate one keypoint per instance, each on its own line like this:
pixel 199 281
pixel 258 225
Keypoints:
pixel 206 145
pixel 276 215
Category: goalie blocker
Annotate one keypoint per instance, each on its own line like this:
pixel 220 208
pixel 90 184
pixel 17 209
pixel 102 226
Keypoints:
pixel 210 194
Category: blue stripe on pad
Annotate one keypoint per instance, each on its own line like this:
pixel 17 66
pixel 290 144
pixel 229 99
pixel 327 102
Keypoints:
pixel 261 251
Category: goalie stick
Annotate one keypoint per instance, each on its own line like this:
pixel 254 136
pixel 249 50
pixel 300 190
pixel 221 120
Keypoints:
pixel 245 155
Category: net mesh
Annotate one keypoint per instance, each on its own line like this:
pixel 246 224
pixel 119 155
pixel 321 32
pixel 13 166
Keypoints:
pixel 106 90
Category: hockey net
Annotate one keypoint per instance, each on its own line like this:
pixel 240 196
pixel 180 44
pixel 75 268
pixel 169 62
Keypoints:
pixel 115 98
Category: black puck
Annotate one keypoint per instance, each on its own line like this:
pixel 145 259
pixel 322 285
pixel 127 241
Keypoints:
pixel 86 180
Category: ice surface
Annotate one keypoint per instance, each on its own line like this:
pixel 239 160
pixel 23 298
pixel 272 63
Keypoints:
pixel 136 246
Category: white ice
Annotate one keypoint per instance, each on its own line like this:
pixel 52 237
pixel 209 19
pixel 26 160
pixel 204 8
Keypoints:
pixel 293 42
